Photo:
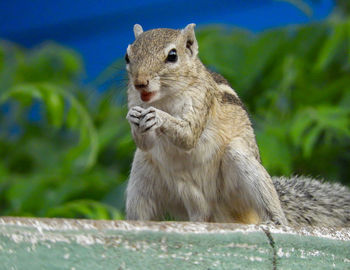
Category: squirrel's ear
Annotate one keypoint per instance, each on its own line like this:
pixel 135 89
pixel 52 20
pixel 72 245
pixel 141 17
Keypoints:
pixel 190 39
pixel 137 30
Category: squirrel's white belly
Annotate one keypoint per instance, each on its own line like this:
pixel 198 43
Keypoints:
pixel 187 173
pixel 171 158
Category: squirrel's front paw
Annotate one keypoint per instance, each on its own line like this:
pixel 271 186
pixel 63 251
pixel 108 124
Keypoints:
pixel 134 115
pixel 151 119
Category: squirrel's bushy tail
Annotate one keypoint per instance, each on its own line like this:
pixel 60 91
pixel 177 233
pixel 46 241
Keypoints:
pixel 306 201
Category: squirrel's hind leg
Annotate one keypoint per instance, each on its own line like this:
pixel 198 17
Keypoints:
pixel 248 187
pixel 145 195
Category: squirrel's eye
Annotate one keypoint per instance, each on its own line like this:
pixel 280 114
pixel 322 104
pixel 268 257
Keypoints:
pixel 172 56
pixel 127 60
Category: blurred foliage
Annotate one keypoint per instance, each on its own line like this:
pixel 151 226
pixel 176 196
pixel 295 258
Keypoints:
pixel 66 149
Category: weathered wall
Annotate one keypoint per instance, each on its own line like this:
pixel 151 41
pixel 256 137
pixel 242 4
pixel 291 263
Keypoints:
pixel 86 244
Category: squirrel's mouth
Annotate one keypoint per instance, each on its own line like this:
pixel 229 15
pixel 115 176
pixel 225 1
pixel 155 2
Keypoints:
pixel 147 96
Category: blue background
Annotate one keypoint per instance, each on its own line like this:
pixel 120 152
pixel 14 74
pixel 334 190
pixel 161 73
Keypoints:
pixel 101 30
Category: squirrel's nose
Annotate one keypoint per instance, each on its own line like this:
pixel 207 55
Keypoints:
pixel 141 84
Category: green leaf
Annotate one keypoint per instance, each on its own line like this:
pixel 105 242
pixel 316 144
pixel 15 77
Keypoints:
pixel 53 96
pixel 301 122
pixel 72 118
pixel 72 62
pixel 309 141
pixel 88 132
pixel 19 91
pixel 275 153
pixel 54 105
pixel 335 118
pixel 348 39
pixel 331 46
pixel 309 123
pixel 302 5
pixel 85 209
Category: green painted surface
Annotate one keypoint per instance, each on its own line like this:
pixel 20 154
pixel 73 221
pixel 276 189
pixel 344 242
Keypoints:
pixel 27 249
pixel 310 252
pixel 70 244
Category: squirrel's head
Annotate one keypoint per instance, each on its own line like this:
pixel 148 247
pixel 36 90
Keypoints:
pixel 159 59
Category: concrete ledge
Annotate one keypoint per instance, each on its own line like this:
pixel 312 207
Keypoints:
pixel 33 243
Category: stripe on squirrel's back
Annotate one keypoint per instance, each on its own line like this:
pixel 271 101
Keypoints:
pixel 218 78
pixel 226 97
pixel 231 99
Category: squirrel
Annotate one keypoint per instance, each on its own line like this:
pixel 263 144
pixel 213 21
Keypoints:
pixel 197 158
